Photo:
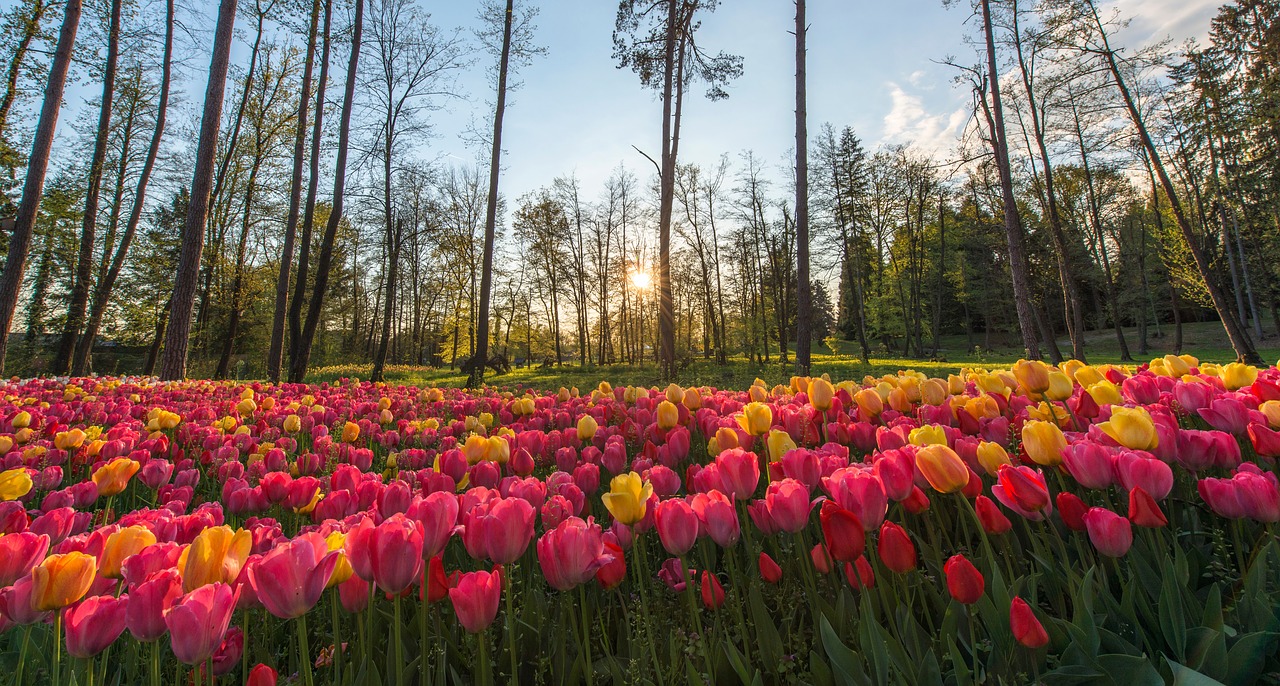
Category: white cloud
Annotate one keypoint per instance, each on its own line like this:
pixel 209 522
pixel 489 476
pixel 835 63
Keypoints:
pixel 1157 19
pixel 908 121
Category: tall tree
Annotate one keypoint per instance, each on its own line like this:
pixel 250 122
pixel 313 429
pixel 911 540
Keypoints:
pixel 173 365
pixel 15 263
pixel 302 352
pixel 804 316
pixel 84 261
pixel 105 285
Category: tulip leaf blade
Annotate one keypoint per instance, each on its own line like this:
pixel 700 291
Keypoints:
pixel 847 667
pixel 767 635
pixel 1186 676
pixel 1248 656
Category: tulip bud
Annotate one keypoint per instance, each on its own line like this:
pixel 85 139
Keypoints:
pixel 1026 628
pixel 964 582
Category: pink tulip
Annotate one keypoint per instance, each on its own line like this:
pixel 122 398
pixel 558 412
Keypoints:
pixel 1259 495
pixel 1089 463
pixel 15 603
pixel 1110 533
pixel 1136 468
pixel 677 525
pixel 475 599
pixel 148 603
pixel 739 473
pixel 94 623
pixel 19 553
pixel 1227 414
pixel 198 622
pixel 571 553
pixel 289 579
pixel 438 515
pixel 500 531
pixel 788 504
pixel 860 492
pixel 718 517
pixel 395 553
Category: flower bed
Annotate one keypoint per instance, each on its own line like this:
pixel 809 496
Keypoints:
pixel 1074 525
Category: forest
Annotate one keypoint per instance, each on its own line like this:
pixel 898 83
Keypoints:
pixel 300 220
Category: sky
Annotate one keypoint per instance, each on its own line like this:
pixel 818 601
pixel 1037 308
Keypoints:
pixel 874 65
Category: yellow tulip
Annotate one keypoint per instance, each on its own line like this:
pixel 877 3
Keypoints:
pixel 668 414
pixel 934 391
pixel 992 456
pixel 120 545
pixel 821 394
pixel 1271 410
pixel 246 407
pixel 1043 442
pixel 955 384
pixel 942 468
pixel 1104 393
pixel 6 444
pixel 1176 365
pixel 899 400
pixel 992 383
pixel 499 450
pixel 758 394
pixel 628 498
pixel 982 407
pixel 692 399
pixel 350 432
pixel 1069 368
pixel 14 483
pixel 69 440
pixel 1087 376
pixel 215 556
pixel 292 424
pixel 342 570
pixel 1032 375
pixel 1238 375
pixel 476 448
pixel 113 477
pixel 1131 428
pixel 1060 386
pixel 870 405
pixel 929 434
pixel 756 418
pixel 779 443
pixel 587 427
pixel 61 580
pixel 22 420
pixel 724 439
pixel 674 393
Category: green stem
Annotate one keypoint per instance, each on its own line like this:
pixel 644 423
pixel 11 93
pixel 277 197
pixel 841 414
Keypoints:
pixel 304 650
pixel 155 663
pixel 511 628
pixel 88 661
pixel 587 665
pixel 22 655
pixel 641 572
pixel 484 676
pixel 399 647
pixel 57 648
pixel 337 640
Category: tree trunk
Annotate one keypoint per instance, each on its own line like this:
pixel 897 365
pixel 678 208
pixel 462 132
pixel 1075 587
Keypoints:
pixel 1012 221
pixel 1240 341
pixel 15 263
pixel 174 365
pixel 275 351
pixel 153 350
pixel 298 364
pixel 102 294
pixel 666 313
pixel 804 315
pixel 30 29
pixel 79 299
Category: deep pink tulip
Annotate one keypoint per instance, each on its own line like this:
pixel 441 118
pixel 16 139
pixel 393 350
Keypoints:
pixel 289 579
pixel 198 622
pixel 895 470
pixel 359 549
pixel 860 492
pixel 438 515
pixel 739 473
pixel 500 531
pixel 395 553
pixel 475 599
pixel 15 603
pixel 19 553
pixel 1022 488
pixel 802 465
pixel 1110 533
pixel 1136 468
pixel 1227 414
pixel 94 623
pixel 677 525
pixel 571 553
pixel 718 517
pixel 148 602
pixel 1090 464
pixel 788 504
pixel 1259 495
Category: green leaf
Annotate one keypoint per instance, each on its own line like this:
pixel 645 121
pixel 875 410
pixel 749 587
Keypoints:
pixel 929 674
pixel 1070 675
pixel 739 663
pixel 766 633
pixel 1207 651
pixel 1213 608
pixel 1173 617
pixel 1248 655
pixel 820 672
pixel 873 645
pixel 1186 676
pixel 691 675
pixel 1130 670
pixel 846 666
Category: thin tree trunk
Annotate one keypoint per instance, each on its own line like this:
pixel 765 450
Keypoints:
pixel 102 294
pixel 298 364
pixel 153 350
pixel 275 351
pixel 30 29
pixel 37 165
pixel 804 314
pixel 666 313
pixel 79 299
pixel 1012 221
pixel 174 365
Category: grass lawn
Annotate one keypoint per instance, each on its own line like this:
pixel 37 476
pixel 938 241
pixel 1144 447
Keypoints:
pixel 1205 340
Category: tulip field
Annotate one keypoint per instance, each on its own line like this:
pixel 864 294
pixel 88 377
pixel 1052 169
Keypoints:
pixel 1031 524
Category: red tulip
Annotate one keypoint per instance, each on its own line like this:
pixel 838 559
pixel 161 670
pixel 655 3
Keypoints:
pixel 769 570
pixel 358 548
pixel 571 553
pixel 990 517
pixel 1137 468
pixel 896 550
pixel 261 675
pixel 842 531
pixel 1110 533
pixel 821 558
pixel 1144 511
pixel 614 572
pixel 788 505
pixel 395 553
pixel 475 599
pixel 93 624
pixel 289 579
pixel 859 573
pixel 917 502
pixel 227 656
pixel 964 581
pixel 677 525
pixel 1071 508
pixel 712 591
pixel 1026 627
pixel 198 622
pixel 149 601
pixel 354 594
pixel 1023 490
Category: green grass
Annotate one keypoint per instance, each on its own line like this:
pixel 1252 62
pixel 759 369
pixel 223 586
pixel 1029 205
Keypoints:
pixel 1205 340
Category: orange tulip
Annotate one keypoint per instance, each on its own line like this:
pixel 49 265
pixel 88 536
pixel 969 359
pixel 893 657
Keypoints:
pixel 216 555
pixel 120 545
pixel 350 432
pixel 942 468
pixel 113 477
pixel 61 580
pixel 1043 442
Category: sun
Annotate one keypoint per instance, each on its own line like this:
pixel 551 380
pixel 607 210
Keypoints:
pixel 640 279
